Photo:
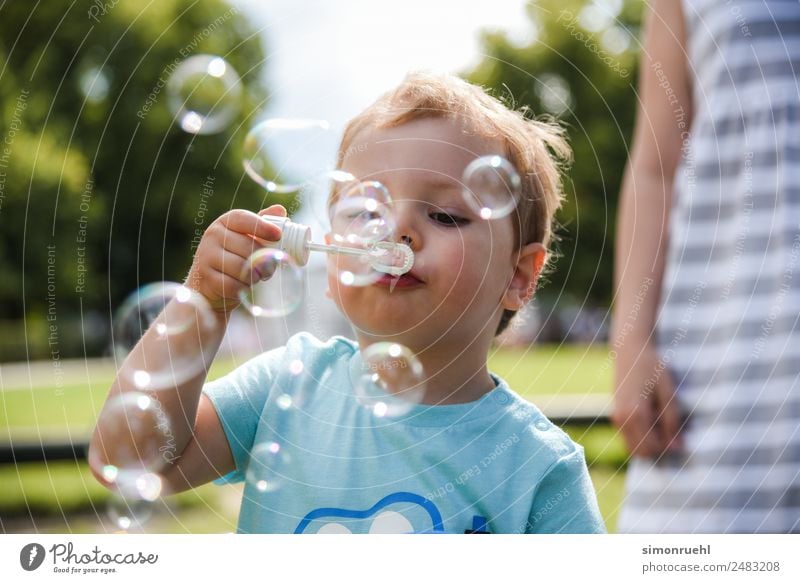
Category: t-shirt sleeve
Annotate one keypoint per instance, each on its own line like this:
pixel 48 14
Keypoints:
pixel 239 399
pixel 565 501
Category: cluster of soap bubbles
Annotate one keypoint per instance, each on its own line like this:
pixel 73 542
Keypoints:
pixel 140 444
pixel 204 93
pixel 282 156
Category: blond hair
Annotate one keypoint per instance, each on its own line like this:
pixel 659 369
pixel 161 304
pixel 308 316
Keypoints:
pixel 536 148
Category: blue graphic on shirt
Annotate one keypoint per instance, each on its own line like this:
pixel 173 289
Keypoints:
pixel 411 510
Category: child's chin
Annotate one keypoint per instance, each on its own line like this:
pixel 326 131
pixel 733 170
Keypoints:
pixel 392 328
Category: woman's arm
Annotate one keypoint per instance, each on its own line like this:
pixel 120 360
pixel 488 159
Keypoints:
pixel 645 409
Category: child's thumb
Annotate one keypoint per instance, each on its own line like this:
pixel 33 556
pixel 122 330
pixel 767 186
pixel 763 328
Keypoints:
pixel 275 209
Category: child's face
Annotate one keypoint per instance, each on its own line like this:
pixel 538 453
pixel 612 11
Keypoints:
pixel 463 265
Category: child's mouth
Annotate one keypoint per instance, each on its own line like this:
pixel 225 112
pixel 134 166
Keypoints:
pixel 404 281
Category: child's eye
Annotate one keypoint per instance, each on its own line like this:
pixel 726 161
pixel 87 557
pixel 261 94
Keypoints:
pixel 449 220
pixel 364 216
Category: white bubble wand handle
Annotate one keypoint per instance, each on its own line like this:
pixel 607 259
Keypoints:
pixel 384 256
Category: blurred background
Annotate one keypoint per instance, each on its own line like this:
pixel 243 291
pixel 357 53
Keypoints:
pixel 101 192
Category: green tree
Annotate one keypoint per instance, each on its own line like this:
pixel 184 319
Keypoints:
pixel 100 191
pixel 581 67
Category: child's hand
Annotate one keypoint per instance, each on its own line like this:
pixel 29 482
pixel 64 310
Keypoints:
pixel 220 258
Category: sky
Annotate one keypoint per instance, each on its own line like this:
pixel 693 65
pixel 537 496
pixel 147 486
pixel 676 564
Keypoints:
pixel 329 60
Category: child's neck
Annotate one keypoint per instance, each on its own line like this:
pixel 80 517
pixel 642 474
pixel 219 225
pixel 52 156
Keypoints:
pixel 454 374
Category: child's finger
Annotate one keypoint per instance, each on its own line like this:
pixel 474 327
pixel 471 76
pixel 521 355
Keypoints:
pixel 248 223
pixel 231 265
pixel 242 245
pixel 226 286
pixel 275 209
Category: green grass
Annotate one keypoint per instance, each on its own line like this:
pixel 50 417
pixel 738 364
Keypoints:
pixel 609 484
pixel 554 369
pixel 54 412
pixel 65 497
pixel 71 410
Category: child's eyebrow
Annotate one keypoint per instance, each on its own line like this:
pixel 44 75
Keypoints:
pixel 440 184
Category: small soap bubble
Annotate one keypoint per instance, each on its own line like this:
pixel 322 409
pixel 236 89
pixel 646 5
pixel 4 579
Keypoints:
pixel 353 270
pixel 276 284
pixel 94 82
pixel 129 513
pixel 296 367
pixel 176 352
pixel 282 155
pixel 390 380
pixel 137 444
pixel 284 402
pixel 148 486
pixel 204 93
pixel 269 467
pixel 491 187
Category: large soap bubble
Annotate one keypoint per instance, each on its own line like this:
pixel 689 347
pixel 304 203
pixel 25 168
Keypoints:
pixel 177 352
pixel 204 93
pixel 282 155
pixel 269 467
pixel 390 379
pixel 137 445
pixel 361 217
pixel 276 283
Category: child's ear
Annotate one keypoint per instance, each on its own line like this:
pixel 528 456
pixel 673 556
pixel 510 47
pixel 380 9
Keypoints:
pixel 529 265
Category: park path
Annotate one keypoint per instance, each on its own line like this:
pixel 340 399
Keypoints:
pixel 16 376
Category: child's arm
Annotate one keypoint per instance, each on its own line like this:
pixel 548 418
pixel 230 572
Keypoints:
pixel 201 452
pixel 645 409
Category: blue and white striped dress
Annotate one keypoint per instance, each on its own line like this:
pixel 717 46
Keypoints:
pixel 728 326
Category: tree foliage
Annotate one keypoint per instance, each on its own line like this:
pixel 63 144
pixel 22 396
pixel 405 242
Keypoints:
pixel 100 191
pixel 581 67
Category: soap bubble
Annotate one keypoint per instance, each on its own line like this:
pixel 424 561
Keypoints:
pixel 491 187
pixel 128 513
pixel 353 270
pixel 362 215
pixel 176 352
pixel 390 379
pixel 94 82
pixel 316 193
pixel 269 467
pixel 138 443
pixel 276 283
pixel 141 309
pixel 282 155
pixel 204 92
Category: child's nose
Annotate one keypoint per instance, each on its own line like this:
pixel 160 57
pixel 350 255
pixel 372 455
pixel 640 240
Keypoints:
pixel 405 226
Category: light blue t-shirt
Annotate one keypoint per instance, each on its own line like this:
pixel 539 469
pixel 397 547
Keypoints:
pixel 316 460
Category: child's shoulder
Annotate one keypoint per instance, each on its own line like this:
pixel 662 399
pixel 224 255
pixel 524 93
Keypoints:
pixel 309 345
pixel 304 351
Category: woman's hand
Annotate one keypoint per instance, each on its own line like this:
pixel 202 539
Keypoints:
pixel 645 405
